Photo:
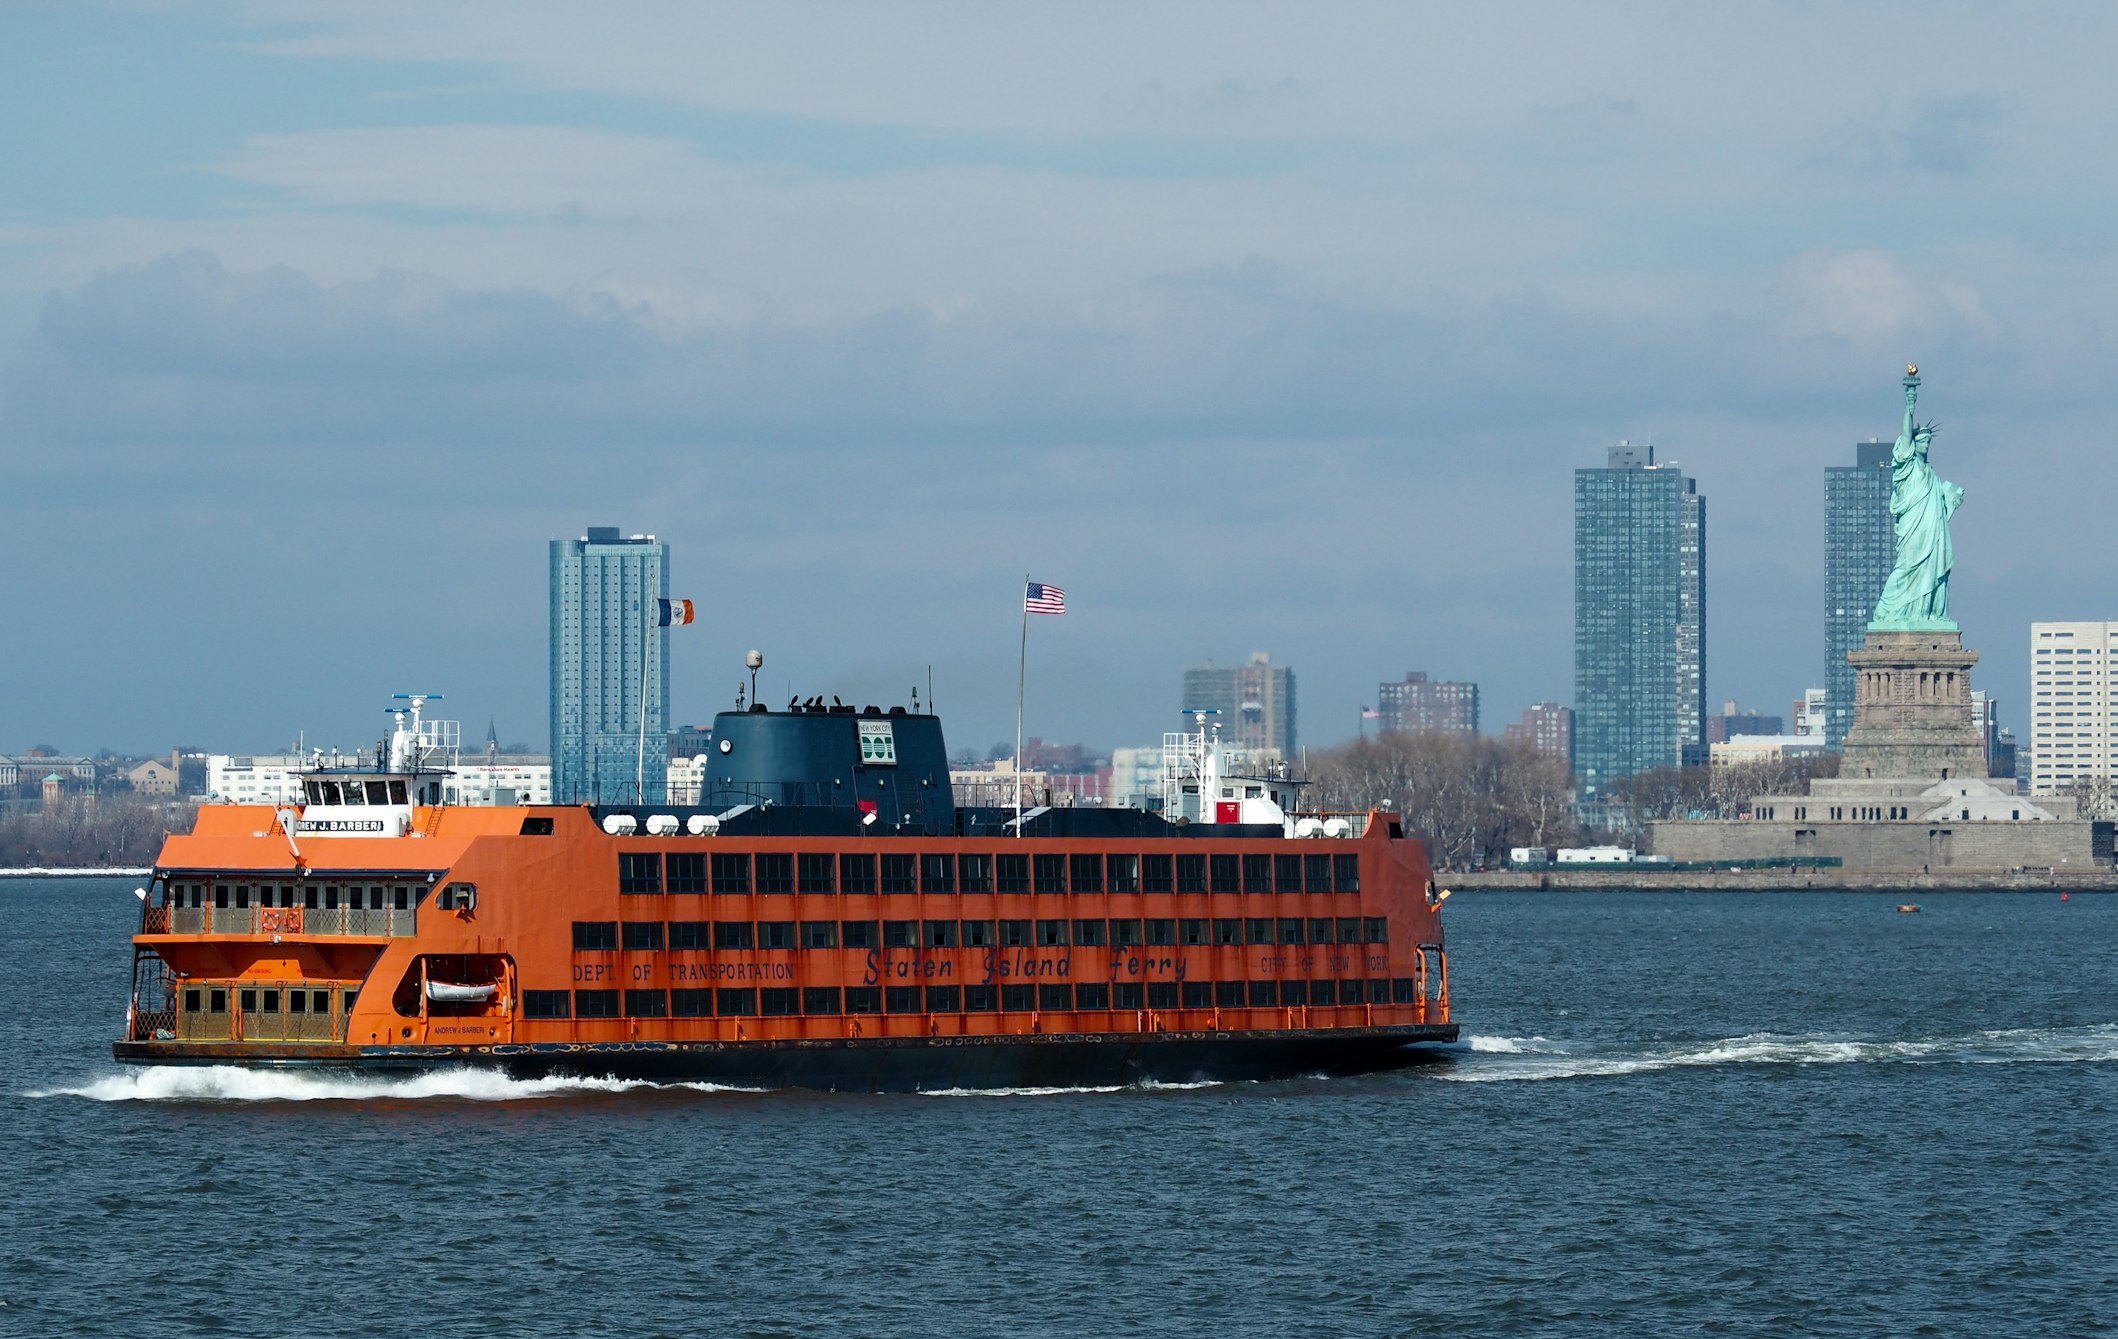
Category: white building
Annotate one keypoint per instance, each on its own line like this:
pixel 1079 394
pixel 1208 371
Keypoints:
pixel 1764 748
pixel 259 778
pixel 1812 712
pixel 2071 704
pixel 1136 778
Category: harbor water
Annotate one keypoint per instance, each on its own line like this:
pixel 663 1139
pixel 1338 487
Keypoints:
pixel 1673 1113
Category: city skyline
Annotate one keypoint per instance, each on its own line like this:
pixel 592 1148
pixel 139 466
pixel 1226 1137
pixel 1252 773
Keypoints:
pixel 856 333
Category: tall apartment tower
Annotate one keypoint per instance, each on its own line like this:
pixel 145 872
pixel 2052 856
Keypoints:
pixel 608 662
pixel 1255 702
pixel 1417 705
pixel 2073 703
pixel 1639 619
pixel 1860 547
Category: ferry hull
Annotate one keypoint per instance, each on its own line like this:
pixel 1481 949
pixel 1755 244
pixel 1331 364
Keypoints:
pixel 885 1064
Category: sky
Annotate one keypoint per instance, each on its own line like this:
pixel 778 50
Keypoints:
pixel 1255 327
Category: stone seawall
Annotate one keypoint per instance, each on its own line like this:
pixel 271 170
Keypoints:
pixel 1779 880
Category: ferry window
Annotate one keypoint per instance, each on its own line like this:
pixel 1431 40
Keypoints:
pixel 1352 992
pixel 297 1001
pixel 547 1004
pixel 1051 873
pixel 1320 928
pixel 309 897
pixel 1227 994
pixel 1291 930
pixel 1128 995
pixel 647 1004
pixel 1316 873
pixel 191 1001
pixel 1257 873
pixel 1155 876
pixel 595 1004
pixel 736 1002
pixel 1055 997
pixel 1404 990
pixel 1227 876
pixel 863 1000
pixel 820 999
pixel 687 872
pixel 1161 932
pixel 1191 931
pixel 731 871
pixel 378 792
pixel 533 825
pixel 1161 994
pixel 248 1000
pixel 937 873
pixel 856 874
pixel 1015 934
pixel 1323 992
pixel 1257 930
pixel 977 872
pixel 1227 930
pixel 857 934
pixel 980 999
pixel 242 895
pixel 690 1004
pixel 1191 874
pixel 595 936
pixel 690 934
pixel 1294 994
pixel 397 792
pixel 775 872
pixel 347 1006
pixel 901 999
pixel 939 934
pixel 1195 994
pixel 900 934
pixel 1018 999
pixel 977 934
pixel 642 936
pixel 1378 929
pixel 1051 933
pixel 733 934
pixel 1012 873
pixel 1350 930
pixel 319 1001
pixel 1346 873
pixel 330 897
pixel 897 873
pixel 1287 873
pixel 1124 871
pixel 220 896
pixel 777 1001
pixel 1092 995
pixel 775 934
pixel 1125 933
pixel 820 934
pixel 640 872
pixel 1264 994
pixel 944 1000
pixel 815 870
pixel 1088 873
pixel 352 793
pixel 403 899
pixel 1089 934
pixel 217 1002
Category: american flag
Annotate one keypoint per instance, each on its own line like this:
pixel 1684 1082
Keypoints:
pixel 1039 598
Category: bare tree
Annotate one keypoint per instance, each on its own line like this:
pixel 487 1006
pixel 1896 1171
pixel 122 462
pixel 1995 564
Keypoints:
pixel 1469 798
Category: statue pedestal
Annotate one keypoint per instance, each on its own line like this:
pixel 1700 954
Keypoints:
pixel 1912 708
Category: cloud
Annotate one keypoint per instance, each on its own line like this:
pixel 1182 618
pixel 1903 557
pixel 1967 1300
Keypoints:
pixel 1949 134
pixel 1866 297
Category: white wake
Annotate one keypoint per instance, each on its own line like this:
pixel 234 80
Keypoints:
pixel 231 1083
pixel 1515 1059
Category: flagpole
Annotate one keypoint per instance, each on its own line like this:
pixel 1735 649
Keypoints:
pixel 1021 678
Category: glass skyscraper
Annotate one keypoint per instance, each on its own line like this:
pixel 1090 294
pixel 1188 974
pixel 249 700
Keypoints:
pixel 1860 547
pixel 608 660
pixel 1639 619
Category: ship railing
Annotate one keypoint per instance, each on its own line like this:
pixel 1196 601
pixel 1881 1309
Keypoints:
pixel 376 922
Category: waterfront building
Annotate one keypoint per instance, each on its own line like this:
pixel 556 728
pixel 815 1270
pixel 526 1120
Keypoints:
pixel 609 667
pixel 1136 778
pixel 1733 724
pixel 261 778
pixel 1639 618
pixel 2073 713
pixel 1739 750
pixel 1548 728
pixel 1859 548
pixel 1420 705
pixel 1812 713
pixel 1254 703
pixel 153 777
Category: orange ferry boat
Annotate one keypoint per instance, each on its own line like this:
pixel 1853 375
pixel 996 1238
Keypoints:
pixel 826 917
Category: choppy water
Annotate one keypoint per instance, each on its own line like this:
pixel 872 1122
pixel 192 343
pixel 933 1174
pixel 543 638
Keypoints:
pixel 1674 1114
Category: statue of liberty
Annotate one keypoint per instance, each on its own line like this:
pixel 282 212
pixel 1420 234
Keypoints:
pixel 1916 597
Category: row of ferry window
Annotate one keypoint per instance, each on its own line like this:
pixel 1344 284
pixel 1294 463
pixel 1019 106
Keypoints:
pixel 748 1001
pixel 202 999
pixel 325 897
pixel 646 872
pixel 650 936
